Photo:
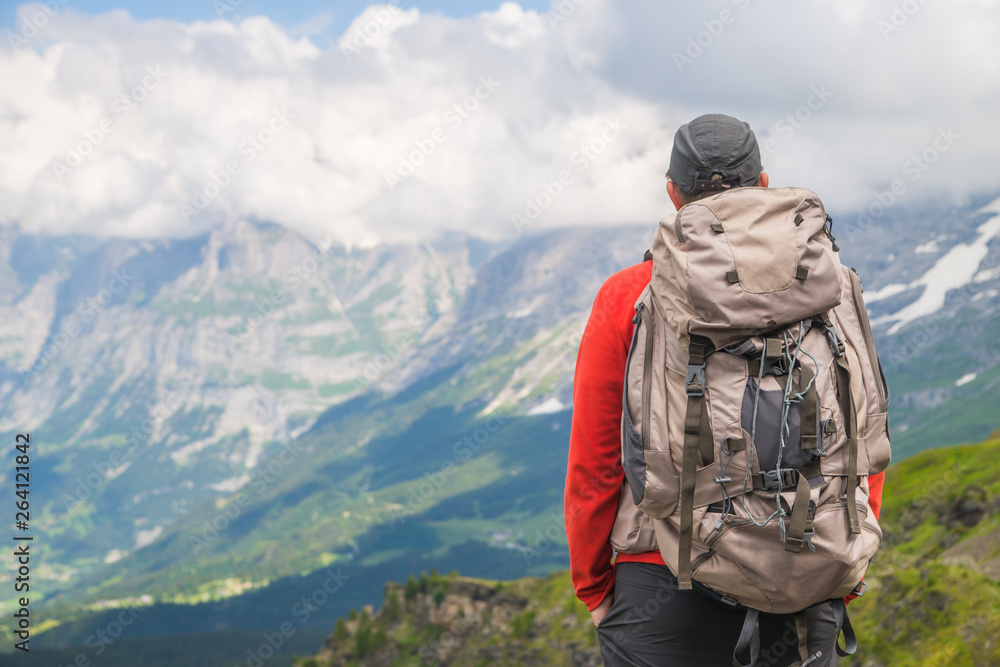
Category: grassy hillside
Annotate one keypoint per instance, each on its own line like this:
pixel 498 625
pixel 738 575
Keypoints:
pixel 933 597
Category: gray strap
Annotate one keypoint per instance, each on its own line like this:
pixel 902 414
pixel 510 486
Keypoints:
pixel 749 638
pixel 844 623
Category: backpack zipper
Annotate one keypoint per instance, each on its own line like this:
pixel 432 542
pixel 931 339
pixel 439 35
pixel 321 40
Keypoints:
pixel 717 535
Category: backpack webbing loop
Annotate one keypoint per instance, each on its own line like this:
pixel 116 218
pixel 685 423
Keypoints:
pixel 694 435
pixel 844 623
pixel 850 415
pixel 749 638
pixel 801 511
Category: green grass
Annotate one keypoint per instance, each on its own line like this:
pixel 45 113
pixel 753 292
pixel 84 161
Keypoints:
pixel 919 609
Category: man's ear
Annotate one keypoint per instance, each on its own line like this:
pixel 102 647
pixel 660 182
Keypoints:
pixel 675 194
pixel 763 180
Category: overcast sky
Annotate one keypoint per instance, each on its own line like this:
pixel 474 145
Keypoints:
pixel 396 122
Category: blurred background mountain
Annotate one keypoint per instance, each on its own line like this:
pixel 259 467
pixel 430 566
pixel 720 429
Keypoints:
pixel 291 294
pixel 224 421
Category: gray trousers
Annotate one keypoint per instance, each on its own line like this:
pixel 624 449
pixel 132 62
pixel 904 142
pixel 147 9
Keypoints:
pixel 653 624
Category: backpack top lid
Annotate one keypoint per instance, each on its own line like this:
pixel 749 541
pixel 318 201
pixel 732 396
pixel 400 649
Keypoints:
pixel 744 262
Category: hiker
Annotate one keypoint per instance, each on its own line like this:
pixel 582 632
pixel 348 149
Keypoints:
pixel 646 611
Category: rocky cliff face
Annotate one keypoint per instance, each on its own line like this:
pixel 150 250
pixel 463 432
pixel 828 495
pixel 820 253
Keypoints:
pixel 156 375
pixel 457 621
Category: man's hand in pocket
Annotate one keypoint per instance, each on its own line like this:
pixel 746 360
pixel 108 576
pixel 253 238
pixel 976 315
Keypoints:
pixel 601 610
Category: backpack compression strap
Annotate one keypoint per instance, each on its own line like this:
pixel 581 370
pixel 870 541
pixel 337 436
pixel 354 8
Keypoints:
pixel 804 509
pixel 697 444
pixel 847 408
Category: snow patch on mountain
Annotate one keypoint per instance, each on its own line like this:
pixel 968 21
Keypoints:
pixel 956 268
pixel 965 379
pixel 547 406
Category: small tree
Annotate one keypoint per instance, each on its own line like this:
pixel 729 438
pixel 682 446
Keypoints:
pixel 439 594
pixel 363 641
pixel 340 630
pixel 391 611
pixel 411 589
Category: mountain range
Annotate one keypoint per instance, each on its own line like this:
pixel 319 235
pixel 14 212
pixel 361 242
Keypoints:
pixel 219 420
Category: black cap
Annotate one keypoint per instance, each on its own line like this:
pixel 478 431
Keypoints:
pixel 714 144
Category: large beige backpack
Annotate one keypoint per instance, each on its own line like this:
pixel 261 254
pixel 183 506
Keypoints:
pixel 754 407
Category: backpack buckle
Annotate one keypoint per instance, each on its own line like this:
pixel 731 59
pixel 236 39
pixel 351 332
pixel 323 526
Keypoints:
pixel 836 344
pixel 806 540
pixel 808 536
pixel 695 381
pixel 860 589
pixel 770 481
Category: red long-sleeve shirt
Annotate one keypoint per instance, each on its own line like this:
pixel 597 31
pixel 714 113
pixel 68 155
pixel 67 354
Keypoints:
pixel 594 475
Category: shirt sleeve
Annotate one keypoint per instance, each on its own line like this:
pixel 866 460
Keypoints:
pixel 875 484
pixel 594 473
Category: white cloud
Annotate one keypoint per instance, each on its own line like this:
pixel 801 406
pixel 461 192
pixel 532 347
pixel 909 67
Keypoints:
pixel 392 95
